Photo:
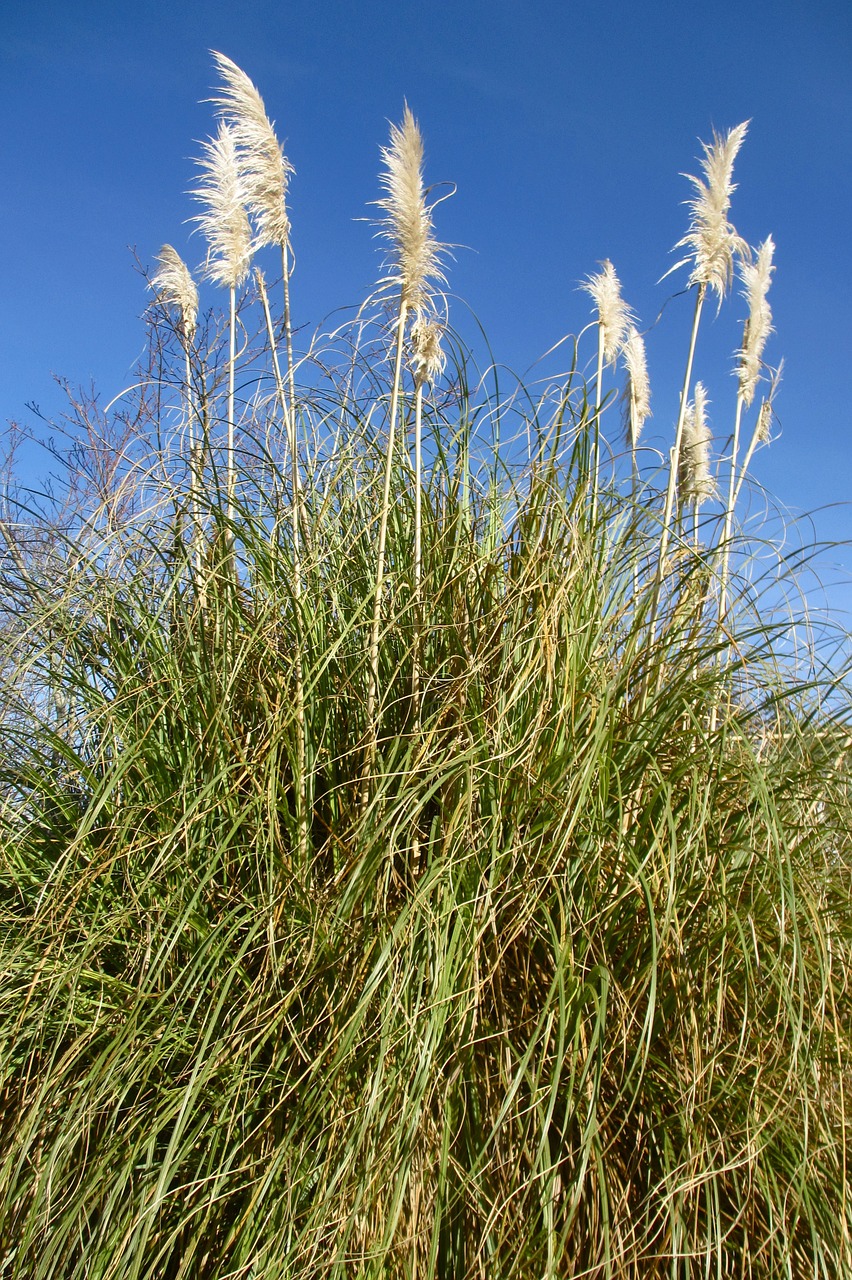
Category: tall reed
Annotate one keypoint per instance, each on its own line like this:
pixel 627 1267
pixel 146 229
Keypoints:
pixel 415 262
pixel 614 323
pixel 175 289
pixel 225 225
pixel 713 245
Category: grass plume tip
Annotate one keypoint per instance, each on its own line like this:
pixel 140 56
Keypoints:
pixel 264 169
pixel 614 316
pixel 408 221
pixel 712 240
pixel 175 289
pixel 224 222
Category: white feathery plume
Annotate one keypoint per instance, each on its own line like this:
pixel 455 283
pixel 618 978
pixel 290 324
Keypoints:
pixel 711 239
pixel 697 484
pixel 757 277
pixel 224 222
pixel 637 393
pixel 264 168
pixel 408 224
pixel 175 288
pixel 614 315
pixel 428 355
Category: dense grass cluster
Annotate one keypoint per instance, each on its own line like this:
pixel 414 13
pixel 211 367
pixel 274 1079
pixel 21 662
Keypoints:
pixel 507 936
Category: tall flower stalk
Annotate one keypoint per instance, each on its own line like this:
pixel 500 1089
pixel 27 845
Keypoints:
pixel 415 260
pixel 713 244
pixel 428 364
pixel 614 321
pixel 175 289
pixel 225 225
pixel 265 174
pixel 301 789
pixel 757 277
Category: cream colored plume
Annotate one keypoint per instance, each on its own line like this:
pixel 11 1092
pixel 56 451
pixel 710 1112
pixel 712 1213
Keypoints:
pixel 408 224
pixel 711 239
pixel 638 390
pixel 428 356
pixel 224 221
pixel 697 484
pixel 264 168
pixel 757 277
pixel 175 288
pixel 614 315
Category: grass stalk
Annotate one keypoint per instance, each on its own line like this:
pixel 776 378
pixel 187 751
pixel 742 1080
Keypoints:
pixel 674 464
pixel 372 718
pixel 302 788
pixel 596 440
pixel 230 464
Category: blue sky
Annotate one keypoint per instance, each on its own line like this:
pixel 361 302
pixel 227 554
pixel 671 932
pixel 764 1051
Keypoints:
pixel 566 127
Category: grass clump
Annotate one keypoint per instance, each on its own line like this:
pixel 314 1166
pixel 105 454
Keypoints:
pixel 406 871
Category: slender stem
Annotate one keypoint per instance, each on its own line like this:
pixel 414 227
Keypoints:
pixel 301 735
pixel 230 473
pixel 681 418
pixel 418 583
pixel 596 443
pixel 674 460
pixel 194 463
pixel 373 674
pixel 634 479
pixel 729 516
pixel 418 542
pixel 634 445
pixel 753 443
pixel 298 496
pixel 674 464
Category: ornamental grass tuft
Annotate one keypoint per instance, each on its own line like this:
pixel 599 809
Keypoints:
pixel 486 914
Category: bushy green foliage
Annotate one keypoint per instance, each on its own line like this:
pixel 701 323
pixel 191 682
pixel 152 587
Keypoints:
pixel 568 997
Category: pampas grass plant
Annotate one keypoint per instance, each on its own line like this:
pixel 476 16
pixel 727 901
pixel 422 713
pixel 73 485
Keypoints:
pixel 614 322
pixel 568 993
pixel 713 244
pixel 225 225
pixel 415 266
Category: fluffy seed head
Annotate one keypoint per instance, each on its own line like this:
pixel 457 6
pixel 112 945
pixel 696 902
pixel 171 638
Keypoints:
pixel 428 357
pixel 637 393
pixel 696 482
pixel 408 221
pixel 712 240
pixel 264 169
pixel 224 221
pixel 175 289
pixel 757 277
pixel 614 315
pixel 764 422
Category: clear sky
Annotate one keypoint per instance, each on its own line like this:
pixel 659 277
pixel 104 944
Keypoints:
pixel 566 127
